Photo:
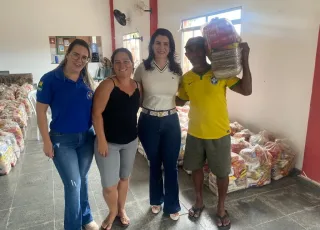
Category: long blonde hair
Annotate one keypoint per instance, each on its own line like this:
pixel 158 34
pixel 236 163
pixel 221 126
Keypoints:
pixel 85 73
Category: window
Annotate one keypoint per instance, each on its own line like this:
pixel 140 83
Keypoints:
pixel 132 43
pixel 192 28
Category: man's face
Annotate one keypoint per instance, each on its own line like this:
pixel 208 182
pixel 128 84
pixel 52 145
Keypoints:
pixel 196 55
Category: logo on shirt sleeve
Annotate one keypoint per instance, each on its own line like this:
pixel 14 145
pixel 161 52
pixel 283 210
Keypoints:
pixel 40 86
pixel 89 95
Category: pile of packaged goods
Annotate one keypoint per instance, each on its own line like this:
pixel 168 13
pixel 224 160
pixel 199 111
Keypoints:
pixel 266 157
pixel 15 109
pixel 237 177
pixel 256 158
pixel 223 44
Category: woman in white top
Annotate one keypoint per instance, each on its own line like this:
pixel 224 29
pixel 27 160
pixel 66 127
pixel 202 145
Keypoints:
pixel 158 126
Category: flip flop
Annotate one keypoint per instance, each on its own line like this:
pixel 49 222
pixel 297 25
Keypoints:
pixel 196 211
pixel 123 221
pixel 222 219
pixel 108 226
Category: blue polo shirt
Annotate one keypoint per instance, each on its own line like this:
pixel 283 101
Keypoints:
pixel 70 102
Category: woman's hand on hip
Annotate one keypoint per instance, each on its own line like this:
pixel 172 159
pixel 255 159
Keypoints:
pixel 103 148
pixel 48 149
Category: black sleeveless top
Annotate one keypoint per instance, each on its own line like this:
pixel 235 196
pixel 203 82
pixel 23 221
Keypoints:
pixel 120 116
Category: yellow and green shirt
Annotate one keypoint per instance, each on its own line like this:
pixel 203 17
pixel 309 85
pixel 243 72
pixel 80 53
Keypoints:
pixel 208 115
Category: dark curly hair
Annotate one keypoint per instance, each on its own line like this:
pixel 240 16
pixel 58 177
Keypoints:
pixel 173 65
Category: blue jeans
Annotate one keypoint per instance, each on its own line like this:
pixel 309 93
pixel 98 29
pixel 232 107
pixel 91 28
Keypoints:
pixel 73 155
pixel 161 140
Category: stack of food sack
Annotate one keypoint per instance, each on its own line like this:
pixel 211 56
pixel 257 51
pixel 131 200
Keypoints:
pixel 6 93
pixel 258 162
pixel 15 111
pixel 265 156
pixel 7 157
pixel 223 44
pixel 237 177
pixel 283 158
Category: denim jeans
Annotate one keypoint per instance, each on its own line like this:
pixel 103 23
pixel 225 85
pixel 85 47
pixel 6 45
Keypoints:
pixel 161 140
pixel 73 155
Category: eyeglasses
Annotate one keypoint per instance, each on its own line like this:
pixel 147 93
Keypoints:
pixel 76 56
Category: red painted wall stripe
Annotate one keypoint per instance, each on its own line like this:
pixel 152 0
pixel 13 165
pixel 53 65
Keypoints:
pixel 113 32
pixel 153 16
pixel 311 163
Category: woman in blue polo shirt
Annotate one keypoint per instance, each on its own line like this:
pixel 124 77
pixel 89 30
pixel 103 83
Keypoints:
pixel 68 91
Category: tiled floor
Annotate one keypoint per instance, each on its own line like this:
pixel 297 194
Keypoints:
pixel 31 197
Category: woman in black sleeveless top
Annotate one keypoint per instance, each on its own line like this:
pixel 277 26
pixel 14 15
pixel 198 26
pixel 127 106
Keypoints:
pixel 115 107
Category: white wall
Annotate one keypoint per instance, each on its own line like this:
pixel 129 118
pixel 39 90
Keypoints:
pixel 282 35
pixel 139 22
pixel 25 26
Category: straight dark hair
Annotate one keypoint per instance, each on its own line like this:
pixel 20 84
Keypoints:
pixel 173 65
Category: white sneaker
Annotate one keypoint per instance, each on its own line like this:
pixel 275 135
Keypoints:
pixel 91 226
pixel 175 216
pixel 155 209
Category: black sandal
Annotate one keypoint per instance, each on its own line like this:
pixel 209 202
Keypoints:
pixel 222 219
pixel 196 212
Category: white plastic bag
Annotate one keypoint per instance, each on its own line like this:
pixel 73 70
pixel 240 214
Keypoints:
pixel 7 158
pixel 258 162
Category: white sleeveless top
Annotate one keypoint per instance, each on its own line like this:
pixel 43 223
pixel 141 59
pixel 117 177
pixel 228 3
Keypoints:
pixel 159 87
